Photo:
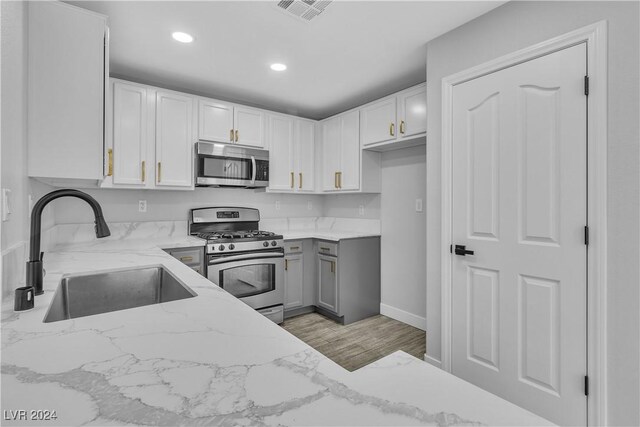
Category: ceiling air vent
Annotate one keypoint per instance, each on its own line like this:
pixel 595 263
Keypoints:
pixel 304 9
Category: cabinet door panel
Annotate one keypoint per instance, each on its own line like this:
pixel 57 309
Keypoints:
pixel 249 126
pixel 304 155
pixel 129 133
pixel 350 152
pixel 328 283
pixel 280 137
pixel 413 112
pixel 293 281
pixel 66 84
pixel 331 135
pixel 379 122
pixel 215 121
pixel 174 150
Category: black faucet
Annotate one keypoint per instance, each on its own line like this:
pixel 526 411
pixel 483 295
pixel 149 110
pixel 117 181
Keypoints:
pixel 34 265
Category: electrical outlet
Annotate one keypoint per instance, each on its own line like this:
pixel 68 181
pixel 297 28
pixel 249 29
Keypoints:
pixel 6 204
pixel 142 205
pixel 309 206
pixel 361 210
pixel 418 205
pixel 277 205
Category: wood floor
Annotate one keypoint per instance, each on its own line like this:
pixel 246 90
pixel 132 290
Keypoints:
pixel 360 343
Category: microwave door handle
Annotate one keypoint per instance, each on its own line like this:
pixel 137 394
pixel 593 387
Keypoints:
pixel 232 258
pixel 253 170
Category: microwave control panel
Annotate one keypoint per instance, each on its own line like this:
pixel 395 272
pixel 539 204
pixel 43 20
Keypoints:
pixel 262 170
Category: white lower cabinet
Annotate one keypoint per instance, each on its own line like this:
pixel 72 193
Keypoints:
pixel 150 138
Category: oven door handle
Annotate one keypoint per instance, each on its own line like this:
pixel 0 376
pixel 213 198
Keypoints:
pixel 260 255
pixel 253 170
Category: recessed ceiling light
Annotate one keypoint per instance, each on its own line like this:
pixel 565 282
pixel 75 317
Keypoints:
pixel 182 37
pixel 278 67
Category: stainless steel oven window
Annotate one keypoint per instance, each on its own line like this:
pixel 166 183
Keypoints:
pixel 248 280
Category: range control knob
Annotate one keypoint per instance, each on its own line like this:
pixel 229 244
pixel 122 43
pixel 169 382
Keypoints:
pixel 274 243
pixel 221 248
pixel 232 246
pixel 265 244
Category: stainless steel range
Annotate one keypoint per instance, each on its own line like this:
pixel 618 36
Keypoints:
pixel 243 260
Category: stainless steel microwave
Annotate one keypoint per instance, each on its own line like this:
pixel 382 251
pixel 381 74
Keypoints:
pixel 223 165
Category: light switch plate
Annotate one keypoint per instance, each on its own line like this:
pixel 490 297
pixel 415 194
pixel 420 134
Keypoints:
pixel 277 205
pixel 142 205
pixel 418 205
pixel 309 206
pixel 361 210
pixel 6 204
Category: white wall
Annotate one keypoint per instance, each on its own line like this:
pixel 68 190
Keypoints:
pixel 514 26
pixel 403 246
pixel 348 205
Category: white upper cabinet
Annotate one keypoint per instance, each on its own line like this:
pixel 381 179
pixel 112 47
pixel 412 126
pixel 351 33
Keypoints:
pixel 378 121
pixel 412 112
pixel 248 126
pixel 66 86
pixel 129 153
pixel 174 140
pixel 222 122
pixel 331 161
pixel 215 121
pixel 349 178
pixel 291 153
pixel 281 165
pixel 304 149
pixel 396 121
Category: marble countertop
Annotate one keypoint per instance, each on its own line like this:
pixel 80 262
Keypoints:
pixel 208 360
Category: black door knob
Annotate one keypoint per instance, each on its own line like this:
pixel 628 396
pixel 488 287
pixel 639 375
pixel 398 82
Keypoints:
pixel 462 250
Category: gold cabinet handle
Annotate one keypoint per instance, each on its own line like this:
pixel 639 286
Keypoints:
pixel 335 180
pixel 159 171
pixel 237 135
pixel 333 267
pixel 231 135
pixel 392 129
pixel 186 258
pixel 291 179
pixel 110 162
pixel 300 182
pixel 294 248
pixel 323 249
pixel 286 264
pixel 339 179
pixel 144 170
pixel 402 127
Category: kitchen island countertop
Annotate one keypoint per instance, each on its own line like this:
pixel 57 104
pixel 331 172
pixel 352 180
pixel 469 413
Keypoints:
pixel 208 360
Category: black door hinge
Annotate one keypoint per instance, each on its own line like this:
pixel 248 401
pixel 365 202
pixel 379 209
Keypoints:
pixel 586 235
pixel 451 249
pixel 586 85
pixel 586 385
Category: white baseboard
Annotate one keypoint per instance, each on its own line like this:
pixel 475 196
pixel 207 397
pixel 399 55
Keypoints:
pixel 432 361
pixel 404 316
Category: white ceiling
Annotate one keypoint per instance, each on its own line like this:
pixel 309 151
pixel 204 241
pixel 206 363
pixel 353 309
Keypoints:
pixel 356 51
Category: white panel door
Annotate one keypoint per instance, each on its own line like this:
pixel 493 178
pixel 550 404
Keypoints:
pixel 412 112
pixel 174 141
pixel 519 202
pixel 379 121
pixel 293 281
pixel 280 137
pixel 349 178
pixel 248 126
pixel 215 121
pixel 129 133
pixel 304 155
pixel 331 136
